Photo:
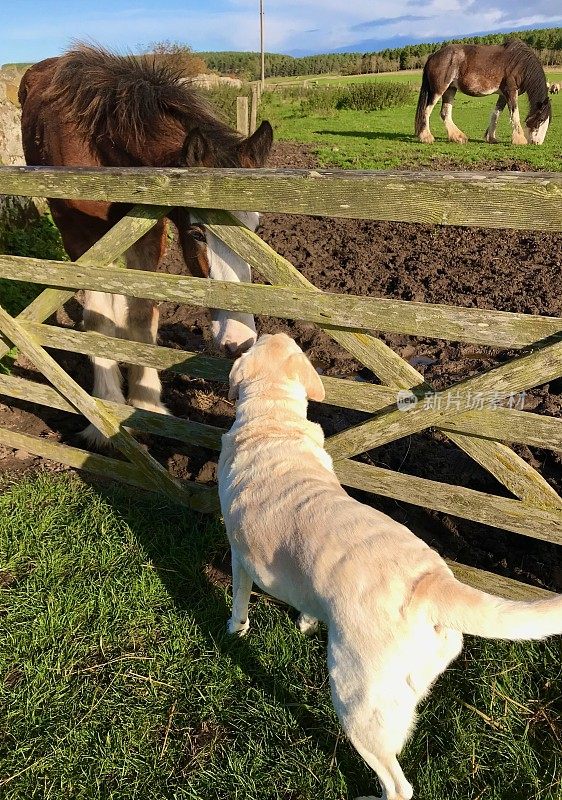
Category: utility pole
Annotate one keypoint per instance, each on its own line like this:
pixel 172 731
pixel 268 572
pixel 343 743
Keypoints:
pixel 261 46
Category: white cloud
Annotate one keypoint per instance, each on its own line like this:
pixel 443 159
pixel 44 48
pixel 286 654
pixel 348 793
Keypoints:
pixel 311 25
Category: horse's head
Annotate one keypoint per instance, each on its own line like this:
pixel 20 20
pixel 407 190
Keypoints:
pixel 205 254
pixel 537 122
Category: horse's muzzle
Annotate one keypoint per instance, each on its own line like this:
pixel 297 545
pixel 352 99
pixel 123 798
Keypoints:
pixel 234 350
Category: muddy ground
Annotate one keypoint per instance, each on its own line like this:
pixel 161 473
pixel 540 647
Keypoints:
pixel 503 270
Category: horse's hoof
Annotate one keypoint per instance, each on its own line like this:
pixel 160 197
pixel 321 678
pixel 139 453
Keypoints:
pixel 518 138
pixel 95 439
pixel 454 134
pixel 426 137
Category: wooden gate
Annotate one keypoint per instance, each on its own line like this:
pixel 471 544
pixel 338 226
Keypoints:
pixel 470 412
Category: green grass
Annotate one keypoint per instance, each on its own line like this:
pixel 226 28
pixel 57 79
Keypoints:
pixel 117 679
pixel 385 140
pixel 38 239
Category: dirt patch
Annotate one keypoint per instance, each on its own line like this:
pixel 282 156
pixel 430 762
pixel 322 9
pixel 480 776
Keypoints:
pixel 505 270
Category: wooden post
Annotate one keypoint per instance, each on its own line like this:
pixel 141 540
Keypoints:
pixel 254 108
pixel 242 115
pixel 262 51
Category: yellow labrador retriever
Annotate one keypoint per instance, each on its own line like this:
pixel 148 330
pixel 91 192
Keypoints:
pixel 394 611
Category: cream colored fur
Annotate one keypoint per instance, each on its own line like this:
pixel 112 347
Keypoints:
pixel 395 613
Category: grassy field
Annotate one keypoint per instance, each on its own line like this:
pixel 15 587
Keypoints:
pixel 385 140
pixel 117 679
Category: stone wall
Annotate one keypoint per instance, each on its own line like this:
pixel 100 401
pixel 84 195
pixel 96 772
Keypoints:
pixel 14 211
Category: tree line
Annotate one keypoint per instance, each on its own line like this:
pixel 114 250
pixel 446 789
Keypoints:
pixel 547 43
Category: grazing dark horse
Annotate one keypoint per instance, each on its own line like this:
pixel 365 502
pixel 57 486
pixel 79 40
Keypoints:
pixel 91 108
pixel 510 69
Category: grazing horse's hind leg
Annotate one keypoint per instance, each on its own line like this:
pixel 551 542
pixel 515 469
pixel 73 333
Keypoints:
pixel 490 133
pixel 425 134
pixel 426 103
pixel 454 134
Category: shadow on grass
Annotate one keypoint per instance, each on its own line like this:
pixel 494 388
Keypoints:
pixel 197 574
pixel 393 137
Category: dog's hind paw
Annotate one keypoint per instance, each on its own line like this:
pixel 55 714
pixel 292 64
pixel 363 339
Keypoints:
pixel 238 628
pixel 307 624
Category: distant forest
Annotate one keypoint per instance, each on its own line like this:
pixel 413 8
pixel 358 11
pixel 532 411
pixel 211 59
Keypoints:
pixel 547 43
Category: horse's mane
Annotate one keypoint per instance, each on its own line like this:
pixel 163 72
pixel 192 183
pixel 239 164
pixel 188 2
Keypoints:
pixel 520 55
pixel 128 98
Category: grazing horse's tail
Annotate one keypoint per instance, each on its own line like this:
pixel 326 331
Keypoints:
pixel 423 100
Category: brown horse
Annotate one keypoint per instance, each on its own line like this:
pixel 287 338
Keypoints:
pixel 90 108
pixel 510 69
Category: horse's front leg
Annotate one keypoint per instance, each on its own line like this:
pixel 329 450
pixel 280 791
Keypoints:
pixel 517 136
pixel 106 314
pixel 454 134
pixel 490 134
pixel 142 322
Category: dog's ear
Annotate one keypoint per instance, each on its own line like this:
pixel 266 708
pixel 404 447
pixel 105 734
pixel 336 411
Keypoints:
pixel 299 366
pixel 235 377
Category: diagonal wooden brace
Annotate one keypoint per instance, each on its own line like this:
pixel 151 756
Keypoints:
pixel 94 410
pixel 501 461
pixel 517 375
pixel 104 252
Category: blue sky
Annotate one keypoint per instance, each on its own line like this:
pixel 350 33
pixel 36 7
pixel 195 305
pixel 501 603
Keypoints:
pixel 40 28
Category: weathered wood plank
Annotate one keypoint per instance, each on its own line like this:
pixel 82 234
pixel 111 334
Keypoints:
pixel 183 362
pixel 503 424
pixel 519 374
pixel 200 498
pixel 497 584
pixel 195 433
pixel 494 328
pixel 242 115
pixel 124 233
pixel 491 200
pixel 94 411
pixel 511 425
pixel 489 509
pixel 509 468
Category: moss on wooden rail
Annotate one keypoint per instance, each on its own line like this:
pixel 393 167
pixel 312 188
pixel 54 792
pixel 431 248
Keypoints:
pixel 93 409
pixel 519 374
pixel 194 495
pixel 490 200
pixel 489 509
pixel 123 234
pixel 503 424
pixel 477 326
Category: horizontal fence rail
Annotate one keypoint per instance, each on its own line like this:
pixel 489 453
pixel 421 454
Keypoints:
pixel 491 200
pixel 499 329
pixel 473 413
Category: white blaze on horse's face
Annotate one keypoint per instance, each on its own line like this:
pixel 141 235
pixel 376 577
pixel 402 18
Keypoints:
pixel 233 331
pixel 537 135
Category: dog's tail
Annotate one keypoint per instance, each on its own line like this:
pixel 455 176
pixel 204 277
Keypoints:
pixel 455 605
